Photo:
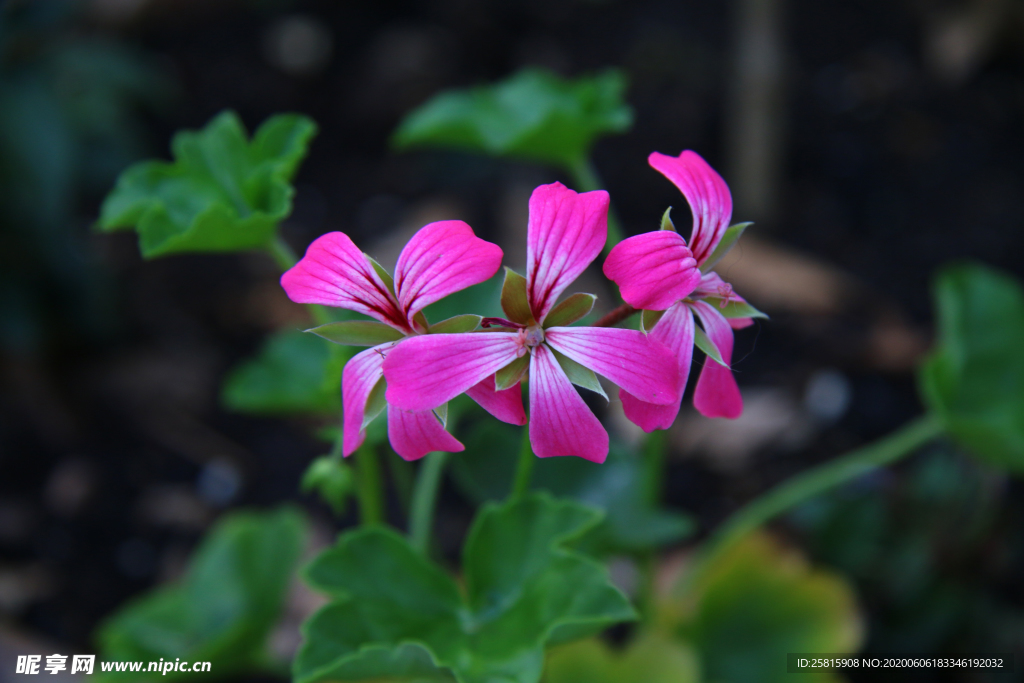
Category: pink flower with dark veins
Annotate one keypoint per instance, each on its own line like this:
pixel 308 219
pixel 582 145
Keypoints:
pixel 565 234
pixel 440 259
pixel 645 268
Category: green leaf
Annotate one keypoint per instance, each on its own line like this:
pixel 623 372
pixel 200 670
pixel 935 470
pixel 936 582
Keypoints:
pixel 579 375
pixel 759 602
pixel 704 343
pixel 514 301
pixel 666 220
pixel 569 311
pixel 441 413
pixel 460 323
pixel 974 379
pixel 729 239
pixel 524 590
pixel 332 479
pixel 733 308
pixel 652 657
pixel 223 609
pixel 357 333
pixel 533 115
pixel 293 373
pixel 512 373
pixel 634 522
pixel 221 192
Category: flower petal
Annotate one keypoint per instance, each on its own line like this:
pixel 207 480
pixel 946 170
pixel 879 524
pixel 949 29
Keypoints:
pixel 675 331
pixel 413 434
pixel 708 196
pixel 361 373
pixel 335 273
pixel 560 421
pixel 628 358
pixel 424 372
pixel 442 258
pixel 716 394
pixel 505 405
pixel 566 232
pixel 653 270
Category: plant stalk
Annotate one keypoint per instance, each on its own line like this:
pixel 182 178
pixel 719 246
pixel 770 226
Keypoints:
pixel 524 468
pixel 585 177
pixel 616 316
pixel 371 499
pixel 809 484
pixel 424 501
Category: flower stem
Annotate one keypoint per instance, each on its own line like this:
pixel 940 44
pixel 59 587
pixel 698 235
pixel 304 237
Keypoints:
pixel 424 500
pixel 810 484
pixel 616 316
pixel 524 469
pixel 371 501
pixel 585 177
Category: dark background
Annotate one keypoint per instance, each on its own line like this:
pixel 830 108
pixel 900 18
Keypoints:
pixel 871 141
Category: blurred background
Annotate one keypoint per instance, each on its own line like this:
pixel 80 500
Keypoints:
pixel 869 140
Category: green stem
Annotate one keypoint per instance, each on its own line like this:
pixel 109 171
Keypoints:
pixel 524 469
pixel 371 501
pixel 810 484
pixel 585 177
pixel 286 259
pixel 424 500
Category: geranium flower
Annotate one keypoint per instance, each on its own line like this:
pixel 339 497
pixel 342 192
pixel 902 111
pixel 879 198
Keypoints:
pixel 440 259
pixel 645 268
pixel 565 234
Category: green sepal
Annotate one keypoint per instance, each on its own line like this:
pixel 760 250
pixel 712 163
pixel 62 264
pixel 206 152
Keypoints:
pixel 514 300
pixel 534 115
pixel 666 221
pixel 357 333
pixel 734 309
pixel 569 311
pixel 375 403
pixel 973 380
pixel 460 323
pixel 223 608
pixel 511 374
pixel 441 413
pixel 332 479
pixel 648 319
pixel 729 240
pixel 221 192
pixel 704 343
pixel 517 572
pixel 579 375
pixel 384 275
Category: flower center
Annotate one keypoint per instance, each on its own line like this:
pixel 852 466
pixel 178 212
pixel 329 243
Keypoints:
pixel 528 339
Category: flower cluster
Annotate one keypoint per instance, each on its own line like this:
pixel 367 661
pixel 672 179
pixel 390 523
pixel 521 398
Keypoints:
pixel 414 368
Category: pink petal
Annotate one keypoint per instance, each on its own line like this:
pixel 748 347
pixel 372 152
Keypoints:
pixel 566 232
pixel 425 371
pixel 712 284
pixel 560 421
pixel 653 270
pixel 506 405
pixel 716 394
pixel 675 331
pixel 628 358
pixel 708 196
pixel 413 434
pixel 360 375
pixel 335 273
pixel 442 258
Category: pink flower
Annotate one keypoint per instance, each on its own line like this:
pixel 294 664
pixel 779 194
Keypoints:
pixel 440 259
pixel 565 234
pixel 654 272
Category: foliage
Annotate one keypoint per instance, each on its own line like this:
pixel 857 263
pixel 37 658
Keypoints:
pixel 974 379
pixel 533 115
pixel 332 479
pixel 652 657
pixel 293 373
pixel 221 193
pixel 396 610
pixel 223 608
